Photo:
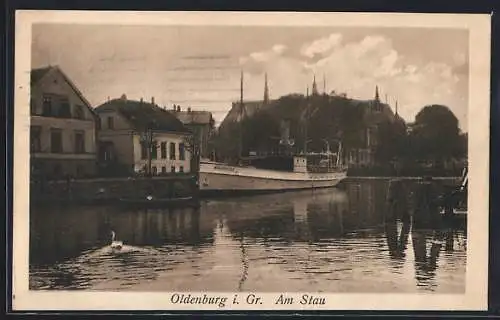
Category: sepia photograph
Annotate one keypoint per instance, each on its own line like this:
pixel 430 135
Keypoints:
pixel 251 160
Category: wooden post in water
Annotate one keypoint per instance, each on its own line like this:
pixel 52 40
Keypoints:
pixel 426 213
pixel 397 201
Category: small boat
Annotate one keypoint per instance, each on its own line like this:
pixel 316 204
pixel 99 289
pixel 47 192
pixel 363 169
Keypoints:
pixel 159 202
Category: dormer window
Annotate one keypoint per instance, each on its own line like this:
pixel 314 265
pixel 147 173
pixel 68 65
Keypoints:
pixel 47 106
pixel 64 108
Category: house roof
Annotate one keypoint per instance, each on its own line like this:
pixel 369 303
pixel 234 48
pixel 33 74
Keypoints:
pixel 144 115
pixel 38 74
pixel 194 117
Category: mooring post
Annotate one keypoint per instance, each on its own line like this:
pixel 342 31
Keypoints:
pixel 397 201
pixel 426 213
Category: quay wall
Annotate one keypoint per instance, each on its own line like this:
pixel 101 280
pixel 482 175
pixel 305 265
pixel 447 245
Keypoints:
pixel 112 189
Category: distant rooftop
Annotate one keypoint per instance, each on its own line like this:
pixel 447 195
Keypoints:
pixel 194 117
pixel 143 115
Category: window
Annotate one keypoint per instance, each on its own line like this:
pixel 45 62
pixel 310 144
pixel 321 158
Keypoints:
pixel 47 106
pixel 32 106
pixel 64 108
pixel 36 144
pixel 182 155
pixel 56 141
pixel 111 124
pixel 163 150
pixel 181 169
pixel 163 169
pixel 172 150
pixel 154 150
pixel 80 172
pixel 154 170
pixel 144 150
pixel 79 113
pixel 79 142
pixel 172 168
pixel 57 170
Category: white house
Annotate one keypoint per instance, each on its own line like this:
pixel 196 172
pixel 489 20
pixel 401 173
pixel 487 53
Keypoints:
pixel 128 127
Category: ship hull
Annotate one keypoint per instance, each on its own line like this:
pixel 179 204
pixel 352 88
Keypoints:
pixel 221 179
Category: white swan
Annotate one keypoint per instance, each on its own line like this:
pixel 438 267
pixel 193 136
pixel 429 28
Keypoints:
pixel 116 245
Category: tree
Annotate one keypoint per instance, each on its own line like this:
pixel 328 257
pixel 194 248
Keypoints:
pixel 391 137
pixel 436 135
pixel 192 144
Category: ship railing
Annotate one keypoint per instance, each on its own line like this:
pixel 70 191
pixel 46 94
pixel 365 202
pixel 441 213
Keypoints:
pixel 323 169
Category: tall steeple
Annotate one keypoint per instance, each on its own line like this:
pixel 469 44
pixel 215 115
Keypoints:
pixel 241 88
pixel 266 91
pixel 242 110
pixel 314 87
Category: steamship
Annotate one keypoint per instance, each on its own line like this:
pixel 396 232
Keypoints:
pixel 273 173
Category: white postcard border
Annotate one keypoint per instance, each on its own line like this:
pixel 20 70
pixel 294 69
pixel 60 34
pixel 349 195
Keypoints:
pixel 475 297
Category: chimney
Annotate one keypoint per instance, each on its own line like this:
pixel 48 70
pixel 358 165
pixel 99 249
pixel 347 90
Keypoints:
pixel 153 100
pixel 189 109
pixel 178 108
pixel 175 108
pixel 124 97
pixel 142 100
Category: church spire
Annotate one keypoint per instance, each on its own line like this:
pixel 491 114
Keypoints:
pixel 241 88
pixel 266 90
pixel 314 87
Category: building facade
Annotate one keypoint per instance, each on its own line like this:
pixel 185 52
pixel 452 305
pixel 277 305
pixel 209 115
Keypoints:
pixel 63 127
pixel 201 124
pixel 137 137
pixel 374 115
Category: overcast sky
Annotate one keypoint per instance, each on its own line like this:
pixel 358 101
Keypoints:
pixel 200 66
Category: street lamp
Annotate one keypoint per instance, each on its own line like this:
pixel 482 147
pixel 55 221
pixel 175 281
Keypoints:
pixel 147 140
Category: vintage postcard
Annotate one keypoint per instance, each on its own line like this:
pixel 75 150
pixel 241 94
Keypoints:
pixel 251 161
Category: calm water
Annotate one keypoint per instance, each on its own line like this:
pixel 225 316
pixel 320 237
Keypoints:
pixel 333 240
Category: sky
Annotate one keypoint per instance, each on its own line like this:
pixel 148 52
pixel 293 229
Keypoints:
pixel 200 67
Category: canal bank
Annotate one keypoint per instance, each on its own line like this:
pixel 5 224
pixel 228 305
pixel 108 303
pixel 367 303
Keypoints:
pixel 106 190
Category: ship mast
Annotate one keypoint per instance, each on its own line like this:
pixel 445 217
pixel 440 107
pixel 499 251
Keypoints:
pixel 305 121
pixel 240 143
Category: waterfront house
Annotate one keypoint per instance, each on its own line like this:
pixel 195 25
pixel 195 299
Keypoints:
pixel 63 127
pixel 129 127
pixel 201 124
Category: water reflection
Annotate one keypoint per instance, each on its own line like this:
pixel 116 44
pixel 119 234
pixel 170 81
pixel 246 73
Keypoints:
pixel 328 240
